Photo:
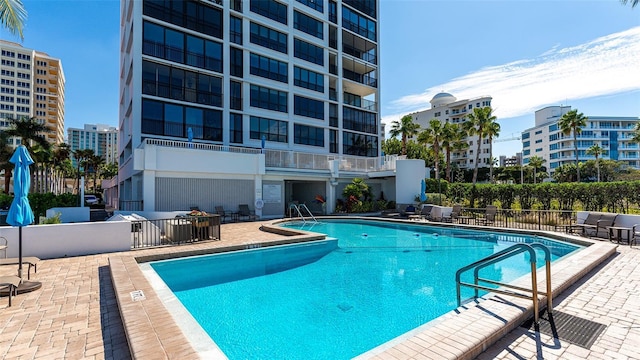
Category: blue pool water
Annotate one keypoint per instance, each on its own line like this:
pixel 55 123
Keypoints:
pixel 336 299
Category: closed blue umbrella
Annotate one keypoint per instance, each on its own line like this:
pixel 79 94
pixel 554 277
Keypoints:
pixel 20 213
pixel 190 136
pixel 423 195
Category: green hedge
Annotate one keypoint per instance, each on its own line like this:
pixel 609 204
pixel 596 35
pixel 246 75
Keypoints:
pixel 41 202
pixel 617 196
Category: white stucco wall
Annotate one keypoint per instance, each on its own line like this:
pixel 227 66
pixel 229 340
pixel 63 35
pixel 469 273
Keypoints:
pixel 409 175
pixel 62 240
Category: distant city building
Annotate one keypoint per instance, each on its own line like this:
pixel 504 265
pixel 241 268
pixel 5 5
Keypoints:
pixel 446 108
pixel 102 139
pixel 31 85
pixel 511 161
pixel 612 134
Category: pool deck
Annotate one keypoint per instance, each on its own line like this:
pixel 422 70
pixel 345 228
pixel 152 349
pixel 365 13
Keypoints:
pixel 75 314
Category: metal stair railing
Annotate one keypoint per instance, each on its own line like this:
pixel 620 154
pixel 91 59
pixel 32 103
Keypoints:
pixel 499 256
pixel 298 209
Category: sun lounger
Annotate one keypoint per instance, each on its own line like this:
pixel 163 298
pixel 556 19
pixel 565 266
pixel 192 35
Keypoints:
pixel 11 282
pixel 31 261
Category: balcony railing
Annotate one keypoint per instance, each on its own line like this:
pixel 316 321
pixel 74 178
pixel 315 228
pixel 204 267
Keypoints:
pixel 180 230
pixel 285 159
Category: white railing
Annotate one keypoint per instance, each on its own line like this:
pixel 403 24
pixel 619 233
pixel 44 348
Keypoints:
pixel 292 159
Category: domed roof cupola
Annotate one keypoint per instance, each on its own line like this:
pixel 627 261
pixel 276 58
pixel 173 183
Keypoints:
pixel 442 98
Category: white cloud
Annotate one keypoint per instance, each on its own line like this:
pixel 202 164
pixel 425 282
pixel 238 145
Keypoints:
pixel 604 66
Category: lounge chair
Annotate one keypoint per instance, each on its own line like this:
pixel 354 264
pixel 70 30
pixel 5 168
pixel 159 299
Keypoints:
pixel 455 213
pixel 605 221
pixel 3 246
pixel 635 234
pixel 425 213
pixel 32 261
pixel 224 213
pixel 245 212
pixel 489 216
pixel 11 283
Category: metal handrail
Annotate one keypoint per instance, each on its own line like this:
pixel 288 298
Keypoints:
pixel 298 208
pixel 501 255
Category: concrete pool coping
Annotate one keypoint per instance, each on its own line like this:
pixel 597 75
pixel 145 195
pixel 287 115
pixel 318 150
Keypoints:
pixel 466 332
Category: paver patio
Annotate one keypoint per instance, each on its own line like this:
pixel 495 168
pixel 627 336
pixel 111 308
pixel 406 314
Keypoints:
pixel 75 315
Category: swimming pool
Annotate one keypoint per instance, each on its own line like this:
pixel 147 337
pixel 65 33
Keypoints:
pixel 339 298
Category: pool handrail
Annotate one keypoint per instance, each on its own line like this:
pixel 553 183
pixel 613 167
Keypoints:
pixel 501 255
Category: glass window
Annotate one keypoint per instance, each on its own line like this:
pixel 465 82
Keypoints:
pixel 212 129
pixel 366 6
pixel 308 135
pixel 235 30
pixel 193 120
pixel 195 51
pixel 237 61
pixel 268 68
pixel 269 99
pixel 236 95
pixel 174 42
pixel 213 56
pixel 173 120
pixel 358 24
pixel 314 4
pixel 308 107
pixel 273 130
pixel 308 79
pixel 271 9
pixel 359 120
pixel 189 14
pixel 152 117
pixel 333 141
pixel 359 144
pixel 309 52
pixel 308 25
pixel 235 128
pixel 269 38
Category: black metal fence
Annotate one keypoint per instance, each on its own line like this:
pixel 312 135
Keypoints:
pixel 179 230
pixel 550 220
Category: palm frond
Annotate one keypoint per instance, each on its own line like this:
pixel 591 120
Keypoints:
pixel 13 16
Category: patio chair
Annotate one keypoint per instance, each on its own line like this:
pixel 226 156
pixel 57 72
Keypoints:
pixel 603 224
pixel 3 246
pixel 245 212
pixel 591 222
pixel 425 213
pixel 635 234
pixel 455 213
pixel 224 213
pixel 10 282
pixel 489 216
pixel 32 261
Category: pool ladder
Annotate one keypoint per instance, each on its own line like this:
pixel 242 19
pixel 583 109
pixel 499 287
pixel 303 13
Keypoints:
pixel 501 255
pixel 299 209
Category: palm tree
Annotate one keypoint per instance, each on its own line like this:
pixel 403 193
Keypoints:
pixel 636 134
pixel 96 163
pixel 536 162
pixel 405 127
pixel 60 155
pixel 81 156
pixel 451 135
pixel 633 2
pixel 13 16
pixel 478 122
pixel 570 122
pixel 5 154
pixel 30 131
pixel 433 135
pixel 596 151
pixel 491 131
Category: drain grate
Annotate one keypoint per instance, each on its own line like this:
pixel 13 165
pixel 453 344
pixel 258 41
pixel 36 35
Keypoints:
pixel 578 331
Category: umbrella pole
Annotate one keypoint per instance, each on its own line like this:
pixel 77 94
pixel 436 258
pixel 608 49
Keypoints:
pixel 20 253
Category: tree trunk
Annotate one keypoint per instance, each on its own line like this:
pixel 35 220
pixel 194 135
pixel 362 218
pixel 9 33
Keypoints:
pixel 491 159
pixel 448 174
pixel 475 170
pixel 575 145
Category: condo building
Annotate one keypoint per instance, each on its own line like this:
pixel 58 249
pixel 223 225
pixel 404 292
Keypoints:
pixel 613 134
pixel 258 102
pixel 447 108
pixel 31 86
pixel 102 139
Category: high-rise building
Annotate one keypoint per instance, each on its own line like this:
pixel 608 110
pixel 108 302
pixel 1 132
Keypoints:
pixel 240 101
pixel 102 139
pixel 546 140
pixel 447 108
pixel 31 85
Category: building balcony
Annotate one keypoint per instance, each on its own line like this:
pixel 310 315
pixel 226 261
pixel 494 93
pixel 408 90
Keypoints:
pixel 285 160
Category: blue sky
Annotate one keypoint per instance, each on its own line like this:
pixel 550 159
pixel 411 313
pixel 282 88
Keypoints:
pixel 525 54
